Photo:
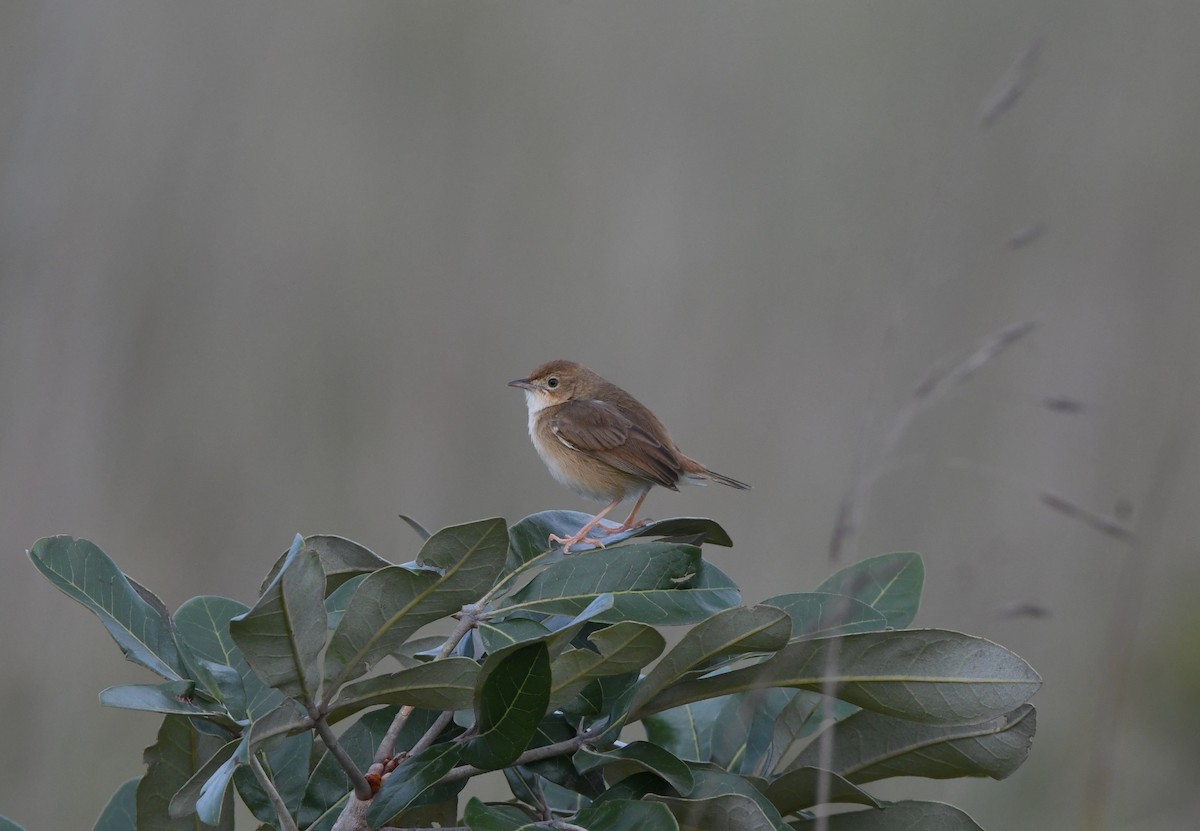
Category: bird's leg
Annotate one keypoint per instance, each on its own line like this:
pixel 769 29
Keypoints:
pixel 581 536
pixel 628 523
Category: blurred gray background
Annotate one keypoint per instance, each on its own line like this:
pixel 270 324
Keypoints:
pixel 267 269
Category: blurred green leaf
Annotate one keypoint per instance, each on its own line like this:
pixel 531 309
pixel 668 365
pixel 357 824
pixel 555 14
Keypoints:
pixel 732 632
pixel 928 675
pixel 202 629
pixel 412 779
pixel 799 788
pixel 636 757
pixel 626 815
pixel 622 647
pixel 84 573
pixel 868 746
pixel 120 814
pixel 7 824
pixel 513 694
pixel 282 636
pixel 448 684
pixel 341 560
pixel 819 614
pixel 657 583
pixel 171 697
pixel 178 753
pixel 927 816
pixel 395 602
pixel 889 583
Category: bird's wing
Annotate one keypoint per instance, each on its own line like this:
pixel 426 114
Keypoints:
pixel 603 432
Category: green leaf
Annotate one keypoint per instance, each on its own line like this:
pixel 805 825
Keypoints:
pixel 411 780
pixel 84 573
pixel 7 824
pixel 202 630
pixel 728 811
pixel 417 527
pixel 636 757
pixel 733 632
pixel 120 814
pixel 626 815
pixel 171 697
pixel 482 817
pixel 622 647
pixel 712 784
pixel 448 684
pixel 513 694
pixel 802 716
pixel 818 614
pixel 341 560
pixel 743 730
pixel 800 787
pixel 339 599
pixel 529 537
pixel 868 746
pixel 927 675
pixel 178 752
pixel 559 769
pixel 205 790
pixel 287 767
pixel 686 731
pixel 927 816
pixel 506 633
pixel 282 636
pixel 889 583
pixel 656 583
pixel 395 602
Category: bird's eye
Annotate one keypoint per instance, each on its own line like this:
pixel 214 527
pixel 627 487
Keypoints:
pixel 552 382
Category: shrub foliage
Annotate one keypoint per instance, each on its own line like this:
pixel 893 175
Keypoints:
pixel 356 693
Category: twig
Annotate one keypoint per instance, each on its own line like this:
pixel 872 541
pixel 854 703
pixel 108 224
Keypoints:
pixel 467 618
pixel 1010 86
pixel 286 823
pixel 432 733
pixel 537 754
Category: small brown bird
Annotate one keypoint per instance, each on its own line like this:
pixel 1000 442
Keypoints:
pixel 602 442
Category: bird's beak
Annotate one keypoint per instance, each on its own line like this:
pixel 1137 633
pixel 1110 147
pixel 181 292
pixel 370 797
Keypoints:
pixel 522 383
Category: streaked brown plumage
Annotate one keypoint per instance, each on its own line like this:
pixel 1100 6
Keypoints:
pixel 602 442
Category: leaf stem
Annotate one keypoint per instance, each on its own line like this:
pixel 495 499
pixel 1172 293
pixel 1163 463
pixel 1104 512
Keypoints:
pixel 286 823
pixel 362 790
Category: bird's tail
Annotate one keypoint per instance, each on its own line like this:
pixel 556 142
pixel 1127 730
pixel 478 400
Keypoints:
pixel 698 474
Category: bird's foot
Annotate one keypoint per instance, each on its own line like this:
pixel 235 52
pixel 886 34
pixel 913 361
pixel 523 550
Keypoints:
pixel 622 528
pixel 575 539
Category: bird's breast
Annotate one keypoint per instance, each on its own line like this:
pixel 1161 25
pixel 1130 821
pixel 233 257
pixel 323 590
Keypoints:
pixel 583 473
